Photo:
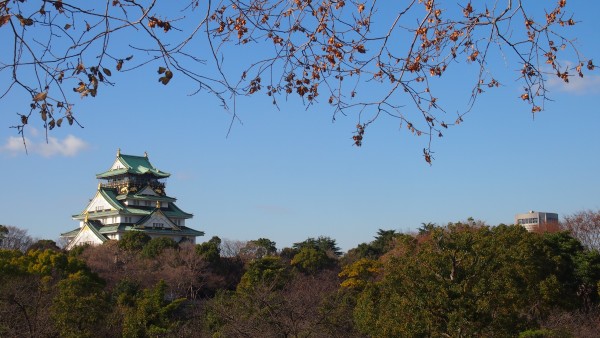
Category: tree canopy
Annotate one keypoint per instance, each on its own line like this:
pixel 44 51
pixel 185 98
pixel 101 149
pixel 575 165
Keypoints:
pixel 459 280
pixel 328 53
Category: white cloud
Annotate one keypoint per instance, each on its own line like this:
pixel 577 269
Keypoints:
pixel 588 84
pixel 577 85
pixel 68 147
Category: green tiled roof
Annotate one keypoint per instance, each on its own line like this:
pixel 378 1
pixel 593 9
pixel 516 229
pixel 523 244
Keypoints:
pixel 176 212
pixel 94 226
pixel 71 233
pixel 137 165
pixel 101 230
pixel 172 211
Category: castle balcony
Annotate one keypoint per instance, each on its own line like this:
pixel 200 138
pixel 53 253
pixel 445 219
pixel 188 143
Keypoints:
pixel 133 184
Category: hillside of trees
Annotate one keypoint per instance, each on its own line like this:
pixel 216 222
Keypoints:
pixel 463 279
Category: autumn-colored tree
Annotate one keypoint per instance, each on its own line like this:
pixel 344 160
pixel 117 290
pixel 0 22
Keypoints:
pixel 28 287
pixel 585 226
pixel 330 52
pixel 360 273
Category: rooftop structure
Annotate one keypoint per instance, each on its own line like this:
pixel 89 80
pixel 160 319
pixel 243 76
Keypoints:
pixel 131 197
pixel 537 221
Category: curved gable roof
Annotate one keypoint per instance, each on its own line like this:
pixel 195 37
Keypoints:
pixel 138 165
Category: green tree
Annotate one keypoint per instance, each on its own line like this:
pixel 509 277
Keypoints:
pixel 80 306
pixel 311 260
pixel 3 233
pixel 152 315
pixel 134 241
pixel 577 269
pixel 156 246
pixel 383 242
pixel 211 250
pixel 463 280
pixel 29 284
pixel 322 243
pixel 269 270
pixel 44 244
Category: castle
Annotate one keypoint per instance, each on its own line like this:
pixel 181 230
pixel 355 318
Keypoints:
pixel 131 197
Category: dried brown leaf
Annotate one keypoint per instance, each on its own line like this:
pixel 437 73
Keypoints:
pixel 40 96
pixel 4 19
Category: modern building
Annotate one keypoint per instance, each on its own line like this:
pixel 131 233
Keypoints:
pixel 131 197
pixel 538 221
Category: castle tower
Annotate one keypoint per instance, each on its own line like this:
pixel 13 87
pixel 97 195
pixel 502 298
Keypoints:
pixel 131 197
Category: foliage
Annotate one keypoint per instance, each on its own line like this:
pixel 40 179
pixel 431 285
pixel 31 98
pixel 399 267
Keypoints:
pixel 80 305
pixel 3 232
pixel 308 306
pixel 268 270
pixel 330 53
pixel 577 269
pixel 44 244
pixel 156 246
pixel 464 280
pixel 360 273
pixel 459 280
pixel 30 286
pixel 134 241
pixel 258 248
pixel 152 314
pixel 312 260
pixel 383 242
pixel 210 250
pixel 322 243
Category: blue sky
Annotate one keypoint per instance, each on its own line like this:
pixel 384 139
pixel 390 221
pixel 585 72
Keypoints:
pixel 290 174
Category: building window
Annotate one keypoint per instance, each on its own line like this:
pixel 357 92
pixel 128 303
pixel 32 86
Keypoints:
pixel 158 225
pixel 147 203
pixel 528 221
pixel 99 208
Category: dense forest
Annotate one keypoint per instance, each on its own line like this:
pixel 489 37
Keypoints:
pixel 464 279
